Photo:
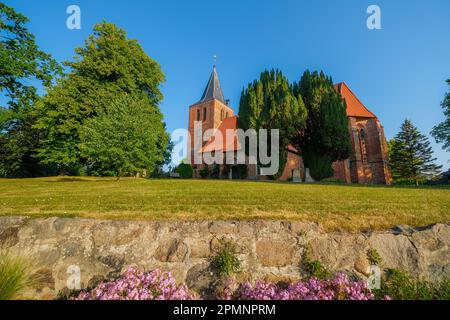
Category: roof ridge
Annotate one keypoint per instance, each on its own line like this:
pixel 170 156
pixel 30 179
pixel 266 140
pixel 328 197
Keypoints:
pixel 355 96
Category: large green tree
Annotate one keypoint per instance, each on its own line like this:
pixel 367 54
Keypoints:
pixel 411 156
pixel 326 138
pixel 23 67
pixel 128 137
pixel 441 132
pixel 22 63
pixel 268 103
pixel 108 66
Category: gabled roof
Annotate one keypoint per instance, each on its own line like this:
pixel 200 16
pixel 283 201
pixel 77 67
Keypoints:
pixel 355 108
pixel 213 89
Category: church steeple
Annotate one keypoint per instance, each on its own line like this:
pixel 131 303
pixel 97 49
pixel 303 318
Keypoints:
pixel 213 89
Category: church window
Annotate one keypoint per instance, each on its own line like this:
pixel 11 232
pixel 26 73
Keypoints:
pixel 221 114
pixel 227 115
pixel 204 114
pixel 363 147
pixel 198 114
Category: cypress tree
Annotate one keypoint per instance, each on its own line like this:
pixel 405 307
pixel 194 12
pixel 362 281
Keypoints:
pixel 268 103
pixel 326 138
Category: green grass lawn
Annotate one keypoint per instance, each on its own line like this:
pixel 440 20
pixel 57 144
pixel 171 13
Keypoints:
pixel 333 206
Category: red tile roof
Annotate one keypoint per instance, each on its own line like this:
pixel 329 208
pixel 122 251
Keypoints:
pixel 355 108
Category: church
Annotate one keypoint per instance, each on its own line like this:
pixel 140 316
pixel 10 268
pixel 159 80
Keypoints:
pixel 366 165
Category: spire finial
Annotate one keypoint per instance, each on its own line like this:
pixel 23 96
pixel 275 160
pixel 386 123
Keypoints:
pixel 213 89
pixel 215 60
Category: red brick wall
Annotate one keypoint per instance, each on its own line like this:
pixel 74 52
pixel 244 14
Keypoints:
pixel 342 171
pixel 369 167
pixel 293 161
pixel 212 120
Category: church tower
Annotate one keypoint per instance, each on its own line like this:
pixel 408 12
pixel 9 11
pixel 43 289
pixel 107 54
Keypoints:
pixel 211 110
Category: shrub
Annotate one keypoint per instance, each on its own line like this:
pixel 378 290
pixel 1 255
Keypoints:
pixel 225 262
pixel 15 275
pixel 400 286
pixel 226 171
pixel 337 288
pixel 241 171
pixel 185 170
pixel 204 172
pixel 135 285
pixel 215 173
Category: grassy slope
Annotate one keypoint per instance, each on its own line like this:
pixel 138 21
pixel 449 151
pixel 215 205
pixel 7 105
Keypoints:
pixel 335 207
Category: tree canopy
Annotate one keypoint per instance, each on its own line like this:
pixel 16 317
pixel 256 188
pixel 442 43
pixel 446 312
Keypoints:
pixel 441 132
pixel 21 61
pixel 411 156
pixel 23 67
pixel 108 66
pixel 128 137
pixel 326 138
pixel 268 103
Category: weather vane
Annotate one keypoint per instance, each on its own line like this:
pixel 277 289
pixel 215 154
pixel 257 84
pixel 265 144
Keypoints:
pixel 215 59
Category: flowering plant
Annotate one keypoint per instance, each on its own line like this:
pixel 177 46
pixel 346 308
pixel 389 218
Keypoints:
pixel 337 288
pixel 158 285
pixel 136 285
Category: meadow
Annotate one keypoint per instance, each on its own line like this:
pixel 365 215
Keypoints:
pixel 335 207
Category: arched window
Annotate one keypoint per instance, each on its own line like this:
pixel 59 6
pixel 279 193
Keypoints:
pixel 198 114
pixel 221 114
pixel 363 146
pixel 204 114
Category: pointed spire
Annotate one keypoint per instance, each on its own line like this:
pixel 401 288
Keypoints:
pixel 213 89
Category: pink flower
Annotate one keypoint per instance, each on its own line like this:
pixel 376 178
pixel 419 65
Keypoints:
pixel 135 285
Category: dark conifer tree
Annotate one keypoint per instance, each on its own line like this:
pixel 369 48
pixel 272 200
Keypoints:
pixel 268 103
pixel 411 155
pixel 326 138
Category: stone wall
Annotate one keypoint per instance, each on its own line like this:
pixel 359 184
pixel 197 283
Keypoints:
pixel 268 250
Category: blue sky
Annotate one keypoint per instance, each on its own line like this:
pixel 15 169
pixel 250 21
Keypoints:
pixel 398 72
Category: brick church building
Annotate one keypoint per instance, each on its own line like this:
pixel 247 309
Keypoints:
pixel 366 165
